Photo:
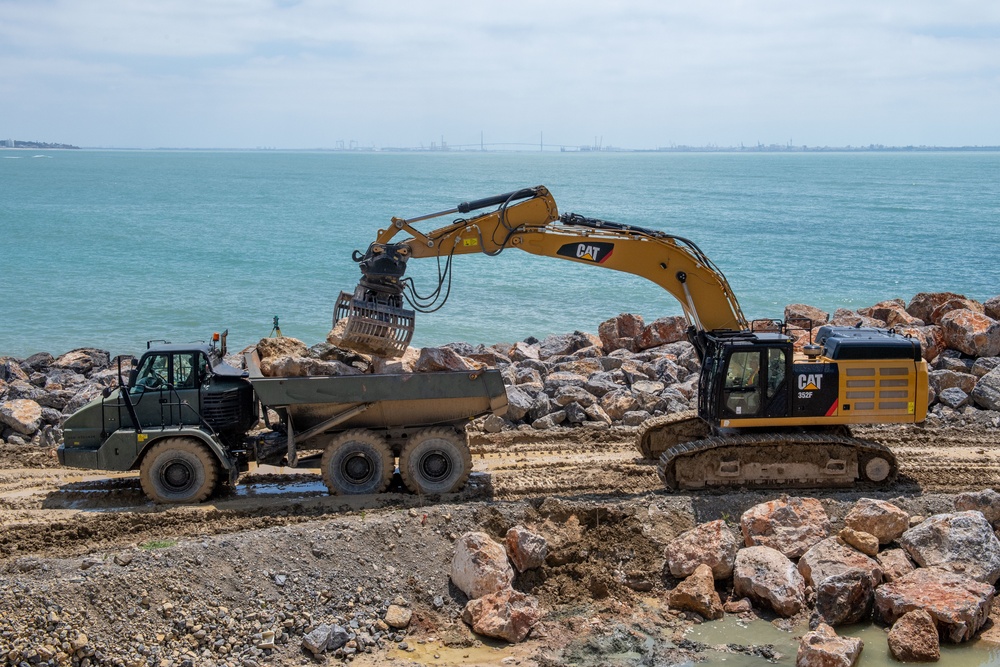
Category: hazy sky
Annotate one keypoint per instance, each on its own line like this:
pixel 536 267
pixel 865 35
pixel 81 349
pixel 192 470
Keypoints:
pixel 310 73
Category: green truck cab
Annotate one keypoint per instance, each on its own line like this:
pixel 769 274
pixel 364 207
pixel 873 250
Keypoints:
pixel 191 423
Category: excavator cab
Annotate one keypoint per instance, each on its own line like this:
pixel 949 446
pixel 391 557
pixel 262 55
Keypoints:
pixel 744 376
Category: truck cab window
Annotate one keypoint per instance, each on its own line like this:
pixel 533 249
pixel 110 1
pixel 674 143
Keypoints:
pixel 186 371
pixel 154 372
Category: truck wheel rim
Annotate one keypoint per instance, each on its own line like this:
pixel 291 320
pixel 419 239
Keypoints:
pixel 358 468
pixel 435 466
pixel 177 475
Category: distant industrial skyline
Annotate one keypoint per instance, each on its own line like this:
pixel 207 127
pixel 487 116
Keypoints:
pixel 301 74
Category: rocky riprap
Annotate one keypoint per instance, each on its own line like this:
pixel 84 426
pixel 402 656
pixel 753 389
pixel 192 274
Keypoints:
pixel 629 372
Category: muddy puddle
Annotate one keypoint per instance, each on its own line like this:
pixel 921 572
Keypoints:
pixel 734 642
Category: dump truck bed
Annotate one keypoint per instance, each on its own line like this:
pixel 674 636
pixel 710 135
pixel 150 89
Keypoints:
pixel 387 401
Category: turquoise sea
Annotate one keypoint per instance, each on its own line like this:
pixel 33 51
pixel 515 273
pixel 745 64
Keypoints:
pixel 113 248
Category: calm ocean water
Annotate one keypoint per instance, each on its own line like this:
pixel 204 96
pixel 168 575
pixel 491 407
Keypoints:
pixel 112 248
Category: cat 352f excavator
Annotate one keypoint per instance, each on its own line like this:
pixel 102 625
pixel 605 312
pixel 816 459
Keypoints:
pixel 767 416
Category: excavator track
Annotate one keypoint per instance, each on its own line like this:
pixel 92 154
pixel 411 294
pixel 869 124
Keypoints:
pixel 777 460
pixel 661 433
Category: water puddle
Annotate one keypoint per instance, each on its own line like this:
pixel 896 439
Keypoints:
pixel 758 633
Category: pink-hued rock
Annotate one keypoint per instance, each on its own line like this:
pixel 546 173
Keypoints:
pixel 790 525
pixel 931 339
pixel 799 313
pixel 961 542
pixel 621 332
pixel 959 604
pixel 295 366
pixel 991 307
pixel 895 563
pixel 480 566
pixel 843 578
pixel 893 310
pixel 404 364
pixel 506 614
pixel 697 593
pixel 83 360
pixel 864 542
pixel 972 333
pixel 765 575
pixel 22 414
pixel 843 317
pixel 616 403
pixel 959 303
pixel 281 347
pixel 986 501
pixel 526 550
pixel 879 518
pixel 711 544
pixel 922 305
pixel 522 351
pixel 824 648
pixel 914 638
pixel 435 359
pixel 662 331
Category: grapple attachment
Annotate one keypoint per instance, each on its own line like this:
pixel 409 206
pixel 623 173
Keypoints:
pixel 372 319
pixel 372 327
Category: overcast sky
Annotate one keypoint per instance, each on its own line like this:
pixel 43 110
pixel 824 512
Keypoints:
pixel 641 74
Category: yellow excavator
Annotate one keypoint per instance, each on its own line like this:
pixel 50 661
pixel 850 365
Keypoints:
pixel 767 417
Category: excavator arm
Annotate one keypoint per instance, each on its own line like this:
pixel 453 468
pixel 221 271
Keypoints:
pixel 529 220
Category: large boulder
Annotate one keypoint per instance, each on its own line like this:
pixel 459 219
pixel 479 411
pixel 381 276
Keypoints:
pixel 711 544
pixel 931 339
pixel 527 550
pixel 616 403
pixel 948 379
pixel 923 304
pixel 480 565
pixel 298 366
pixel 959 604
pixel 621 332
pixel 822 647
pixel 506 614
pixel 879 518
pixel 914 638
pixel 957 303
pixel 10 370
pixel 435 359
pixel 767 576
pixel 395 365
pixel 22 415
pixel 892 312
pixel 802 315
pixel 662 331
pixel 895 564
pixel 961 542
pixel 970 332
pixel 697 593
pixel 991 307
pixel 790 525
pixel 284 346
pixel 83 360
pixel 519 403
pixel 843 578
pixel 986 393
pixel 986 501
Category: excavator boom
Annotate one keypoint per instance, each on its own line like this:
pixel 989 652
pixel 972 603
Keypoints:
pixel 529 220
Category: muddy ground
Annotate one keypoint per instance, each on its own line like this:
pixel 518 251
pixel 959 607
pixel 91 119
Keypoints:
pixel 81 552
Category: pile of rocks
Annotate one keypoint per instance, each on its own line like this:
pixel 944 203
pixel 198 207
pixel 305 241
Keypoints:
pixel 38 393
pixel 926 577
pixel 628 372
pixel 482 570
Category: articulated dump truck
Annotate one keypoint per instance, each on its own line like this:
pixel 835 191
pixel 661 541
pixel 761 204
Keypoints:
pixel 191 423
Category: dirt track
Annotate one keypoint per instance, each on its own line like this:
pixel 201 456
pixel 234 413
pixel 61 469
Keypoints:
pixel 45 509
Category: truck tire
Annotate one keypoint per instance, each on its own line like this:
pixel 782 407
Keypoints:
pixel 357 462
pixel 179 470
pixel 435 460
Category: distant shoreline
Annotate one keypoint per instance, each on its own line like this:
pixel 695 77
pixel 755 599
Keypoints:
pixel 677 149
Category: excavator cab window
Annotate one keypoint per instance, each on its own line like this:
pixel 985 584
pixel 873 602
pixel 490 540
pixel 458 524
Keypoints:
pixel 742 389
